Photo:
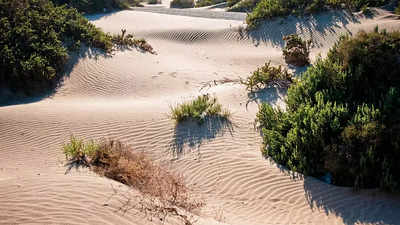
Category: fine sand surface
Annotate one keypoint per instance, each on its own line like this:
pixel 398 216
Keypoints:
pixel 128 97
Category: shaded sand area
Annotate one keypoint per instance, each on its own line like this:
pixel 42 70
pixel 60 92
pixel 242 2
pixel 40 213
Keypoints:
pixel 128 97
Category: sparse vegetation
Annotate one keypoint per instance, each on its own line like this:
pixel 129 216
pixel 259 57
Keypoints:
pixel 164 193
pixel 153 2
pixel 397 10
pixel 200 108
pixel 182 4
pixel 267 9
pixel 268 75
pixel 93 6
pixel 242 6
pixel 342 117
pixel 296 50
pixel 122 40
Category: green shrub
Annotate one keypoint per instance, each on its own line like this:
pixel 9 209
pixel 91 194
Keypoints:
pixel 202 3
pixel 342 116
pixel 268 75
pixel 182 4
pixel 397 10
pixel 199 109
pixel 93 6
pixel 296 50
pixel 243 5
pixel 35 39
pixel 267 9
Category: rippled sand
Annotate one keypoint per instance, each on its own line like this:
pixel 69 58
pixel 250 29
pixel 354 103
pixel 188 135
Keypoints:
pixel 127 97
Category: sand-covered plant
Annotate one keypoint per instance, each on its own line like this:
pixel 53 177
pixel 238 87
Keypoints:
pixel 164 193
pixel 268 75
pixel 199 109
pixel 342 117
pixel 182 4
pixel 296 50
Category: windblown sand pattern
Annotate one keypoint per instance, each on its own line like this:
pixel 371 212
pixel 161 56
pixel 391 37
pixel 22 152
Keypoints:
pixel 127 97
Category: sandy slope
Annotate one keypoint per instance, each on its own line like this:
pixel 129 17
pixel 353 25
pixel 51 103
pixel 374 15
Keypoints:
pixel 128 96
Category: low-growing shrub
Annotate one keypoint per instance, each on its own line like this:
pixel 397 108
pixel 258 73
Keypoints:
pixel 93 6
pixel 267 9
pixel 243 6
pixel 397 10
pixel 198 109
pixel 342 117
pixel 296 50
pixel 122 41
pixel 202 3
pixel 268 75
pixel 153 2
pixel 182 4
pixel 164 193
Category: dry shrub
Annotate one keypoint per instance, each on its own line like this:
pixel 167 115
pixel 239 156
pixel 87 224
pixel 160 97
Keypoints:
pixel 163 192
pixel 128 41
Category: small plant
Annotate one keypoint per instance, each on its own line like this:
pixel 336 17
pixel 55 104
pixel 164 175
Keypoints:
pixel 182 4
pixel 122 40
pixel 268 75
pixel 200 108
pixel 78 151
pixel 296 51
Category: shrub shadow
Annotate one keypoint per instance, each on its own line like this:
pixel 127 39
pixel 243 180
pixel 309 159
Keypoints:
pixel 269 95
pixel 193 134
pixel 8 97
pixel 314 27
pixel 361 207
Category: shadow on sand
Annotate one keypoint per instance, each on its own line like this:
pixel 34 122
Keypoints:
pixel 368 206
pixel 314 27
pixel 269 95
pixel 193 134
pixel 8 98
pixel 361 207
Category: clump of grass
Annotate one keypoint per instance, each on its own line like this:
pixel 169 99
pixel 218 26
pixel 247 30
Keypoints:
pixel 182 4
pixel 163 192
pixel 268 75
pixel 78 151
pixel 297 50
pixel 199 109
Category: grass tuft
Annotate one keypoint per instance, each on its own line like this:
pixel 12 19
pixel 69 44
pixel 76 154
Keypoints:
pixel 200 108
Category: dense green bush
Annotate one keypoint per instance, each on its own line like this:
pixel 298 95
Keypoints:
pixel 296 50
pixel 182 4
pixel 266 9
pixel 342 118
pixel 268 75
pixel 34 40
pixel 202 3
pixel 92 6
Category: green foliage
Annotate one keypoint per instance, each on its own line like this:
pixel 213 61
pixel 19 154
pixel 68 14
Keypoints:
pixel 182 4
pixel 92 6
pixel 397 10
pixel 34 40
pixel 202 3
pixel 242 6
pixel 200 108
pixel 268 75
pixel 296 50
pixel 342 116
pixel 267 9
pixel 79 151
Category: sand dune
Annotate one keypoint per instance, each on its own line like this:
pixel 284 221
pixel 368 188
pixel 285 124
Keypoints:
pixel 127 97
